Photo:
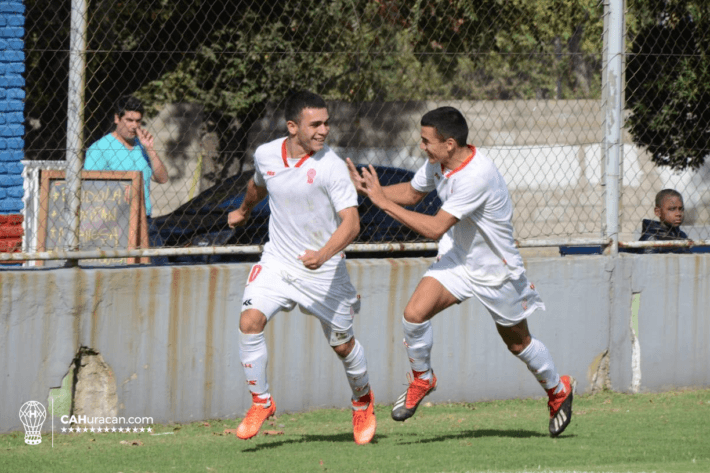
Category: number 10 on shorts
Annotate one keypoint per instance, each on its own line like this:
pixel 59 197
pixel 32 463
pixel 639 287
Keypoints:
pixel 255 270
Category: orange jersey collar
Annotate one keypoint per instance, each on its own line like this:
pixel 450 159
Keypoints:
pixel 462 165
pixel 284 156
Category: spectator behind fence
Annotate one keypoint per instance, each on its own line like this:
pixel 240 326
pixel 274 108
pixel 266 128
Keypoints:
pixel 670 211
pixel 130 148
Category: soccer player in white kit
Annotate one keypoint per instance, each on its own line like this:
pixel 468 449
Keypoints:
pixel 313 218
pixel 477 257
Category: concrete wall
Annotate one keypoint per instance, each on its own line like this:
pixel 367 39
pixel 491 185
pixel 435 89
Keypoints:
pixel 169 335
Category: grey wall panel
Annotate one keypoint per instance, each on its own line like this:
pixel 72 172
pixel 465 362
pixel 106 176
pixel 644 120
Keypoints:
pixel 674 320
pixel 170 334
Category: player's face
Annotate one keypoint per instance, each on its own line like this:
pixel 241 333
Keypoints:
pixel 127 125
pixel 312 129
pixel 671 211
pixel 435 149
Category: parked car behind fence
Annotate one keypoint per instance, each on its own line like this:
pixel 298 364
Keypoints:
pixel 202 221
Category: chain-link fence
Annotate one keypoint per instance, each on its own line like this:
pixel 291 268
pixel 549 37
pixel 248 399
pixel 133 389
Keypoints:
pixel 212 77
pixel 667 96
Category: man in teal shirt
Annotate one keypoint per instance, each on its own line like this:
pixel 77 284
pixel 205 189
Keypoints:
pixel 130 148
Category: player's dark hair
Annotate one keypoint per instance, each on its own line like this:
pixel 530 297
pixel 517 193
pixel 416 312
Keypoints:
pixel 661 196
pixel 449 123
pixel 128 103
pixel 300 100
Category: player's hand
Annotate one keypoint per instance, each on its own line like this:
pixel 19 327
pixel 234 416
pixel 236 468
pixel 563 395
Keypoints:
pixel 145 138
pixel 355 176
pixel 237 218
pixel 311 259
pixel 372 188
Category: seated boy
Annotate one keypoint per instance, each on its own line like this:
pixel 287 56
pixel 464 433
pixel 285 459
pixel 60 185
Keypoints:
pixel 670 211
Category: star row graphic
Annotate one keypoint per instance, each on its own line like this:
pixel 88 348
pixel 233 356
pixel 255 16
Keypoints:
pixel 120 430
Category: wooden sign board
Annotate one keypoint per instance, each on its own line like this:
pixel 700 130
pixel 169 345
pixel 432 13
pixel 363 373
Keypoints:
pixel 111 214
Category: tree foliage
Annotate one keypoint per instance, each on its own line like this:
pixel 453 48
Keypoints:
pixel 668 83
pixel 46 72
pixel 234 56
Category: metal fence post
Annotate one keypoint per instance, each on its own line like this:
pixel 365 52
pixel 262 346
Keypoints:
pixel 612 97
pixel 75 118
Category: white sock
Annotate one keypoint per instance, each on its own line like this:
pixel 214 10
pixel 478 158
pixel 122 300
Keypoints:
pixel 356 371
pixel 418 339
pixel 539 361
pixel 254 358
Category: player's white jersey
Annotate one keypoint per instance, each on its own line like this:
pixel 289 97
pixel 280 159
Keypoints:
pixel 482 239
pixel 305 197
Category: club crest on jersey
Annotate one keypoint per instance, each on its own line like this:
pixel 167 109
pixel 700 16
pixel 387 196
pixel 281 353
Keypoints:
pixel 311 175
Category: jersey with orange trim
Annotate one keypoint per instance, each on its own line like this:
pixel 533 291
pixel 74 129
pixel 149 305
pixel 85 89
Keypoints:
pixel 476 194
pixel 305 196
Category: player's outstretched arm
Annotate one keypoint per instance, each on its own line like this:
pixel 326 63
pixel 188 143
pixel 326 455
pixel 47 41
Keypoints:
pixel 254 195
pixel 429 226
pixel 345 233
pixel 401 193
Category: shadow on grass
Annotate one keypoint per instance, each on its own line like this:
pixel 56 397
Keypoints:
pixel 348 438
pixel 344 438
pixel 467 434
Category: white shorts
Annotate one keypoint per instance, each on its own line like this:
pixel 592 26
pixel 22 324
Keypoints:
pixel 509 303
pixel 271 288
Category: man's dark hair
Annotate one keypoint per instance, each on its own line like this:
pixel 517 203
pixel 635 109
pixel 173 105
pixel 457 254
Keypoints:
pixel 300 100
pixel 128 103
pixel 449 123
pixel 662 195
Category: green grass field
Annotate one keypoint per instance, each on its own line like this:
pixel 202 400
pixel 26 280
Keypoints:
pixel 610 432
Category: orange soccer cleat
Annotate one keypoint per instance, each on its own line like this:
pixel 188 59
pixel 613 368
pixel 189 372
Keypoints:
pixel 560 405
pixel 407 403
pixel 261 409
pixel 364 422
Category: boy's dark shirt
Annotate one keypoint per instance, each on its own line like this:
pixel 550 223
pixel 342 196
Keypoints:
pixel 653 230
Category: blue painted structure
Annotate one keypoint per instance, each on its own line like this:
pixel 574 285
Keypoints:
pixel 12 95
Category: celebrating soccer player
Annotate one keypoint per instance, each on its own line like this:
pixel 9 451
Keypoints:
pixel 313 218
pixel 477 257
